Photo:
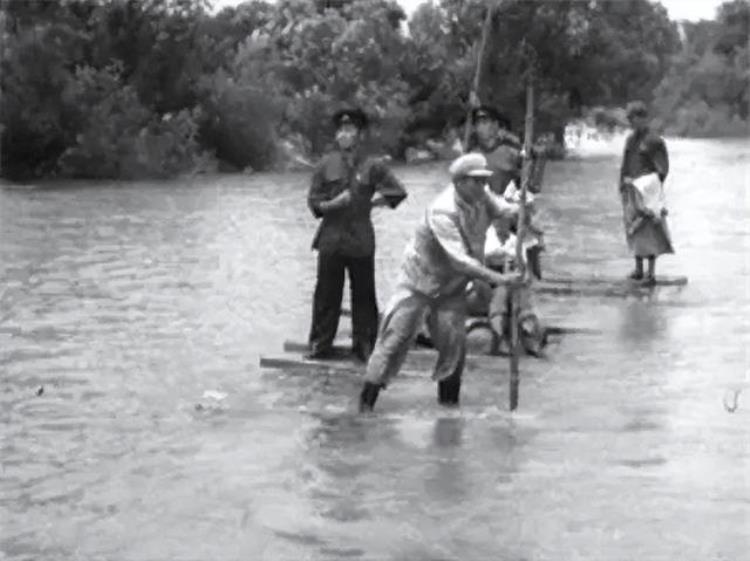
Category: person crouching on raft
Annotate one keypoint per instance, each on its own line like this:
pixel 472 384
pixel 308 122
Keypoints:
pixel 495 303
pixel 492 137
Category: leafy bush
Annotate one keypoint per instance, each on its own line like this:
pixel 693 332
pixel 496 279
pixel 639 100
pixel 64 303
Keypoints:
pixel 119 137
pixel 698 119
pixel 33 72
pixel 133 88
pixel 239 121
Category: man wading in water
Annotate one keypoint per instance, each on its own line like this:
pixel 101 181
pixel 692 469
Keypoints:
pixel 444 254
pixel 645 165
pixel 345 187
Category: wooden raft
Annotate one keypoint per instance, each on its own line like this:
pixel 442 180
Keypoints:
pixel 603 286
pixel 419 360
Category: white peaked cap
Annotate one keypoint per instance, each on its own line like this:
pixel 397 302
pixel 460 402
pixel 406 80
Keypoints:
pixel 471 165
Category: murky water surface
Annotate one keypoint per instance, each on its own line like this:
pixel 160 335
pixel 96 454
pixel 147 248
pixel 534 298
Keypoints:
pixel 123 303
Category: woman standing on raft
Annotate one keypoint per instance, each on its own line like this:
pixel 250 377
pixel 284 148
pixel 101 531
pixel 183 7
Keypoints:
pixel 645 166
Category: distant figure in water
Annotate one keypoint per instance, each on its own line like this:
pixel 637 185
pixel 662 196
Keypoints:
pixel 645 165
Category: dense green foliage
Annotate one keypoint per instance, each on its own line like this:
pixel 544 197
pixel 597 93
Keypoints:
pixel 706 91
pixel 133 88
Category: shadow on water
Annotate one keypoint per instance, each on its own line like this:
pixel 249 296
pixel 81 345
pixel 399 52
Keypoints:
pixel 641 325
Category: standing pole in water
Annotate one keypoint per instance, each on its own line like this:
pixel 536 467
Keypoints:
pixel 520 230
pixel 478 72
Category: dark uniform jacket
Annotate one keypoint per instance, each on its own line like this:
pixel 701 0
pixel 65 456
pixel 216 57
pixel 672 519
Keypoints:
pixel 645 153
pixel 504 159
pixel 348 231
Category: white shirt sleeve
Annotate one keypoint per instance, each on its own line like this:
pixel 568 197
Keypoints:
pixel 449 237
pixel 513 194
pixel 500 206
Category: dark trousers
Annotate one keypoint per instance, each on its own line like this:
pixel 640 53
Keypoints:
pixel 329 290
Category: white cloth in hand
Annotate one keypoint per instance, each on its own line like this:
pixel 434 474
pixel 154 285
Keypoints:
pixel 651 190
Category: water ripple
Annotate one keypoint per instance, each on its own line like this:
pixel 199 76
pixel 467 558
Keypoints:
pixel 125 307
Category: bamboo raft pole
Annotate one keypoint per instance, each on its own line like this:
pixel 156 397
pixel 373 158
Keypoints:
pixel 478 71
pixel 520 231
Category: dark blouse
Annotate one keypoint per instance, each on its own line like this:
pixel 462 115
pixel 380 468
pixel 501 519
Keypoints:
pixel 645 153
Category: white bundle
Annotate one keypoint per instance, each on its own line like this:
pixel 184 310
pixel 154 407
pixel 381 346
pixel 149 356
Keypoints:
pixel 651 190
pixel 513 194
pixel 497 252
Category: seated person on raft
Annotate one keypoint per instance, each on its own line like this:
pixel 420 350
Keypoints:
pixel 495 304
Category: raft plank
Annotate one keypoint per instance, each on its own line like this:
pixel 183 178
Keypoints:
pixel 613 281
pixel 418 359
pixel 621 290
pixel 345 368
pixel 592 286
pixel 299 362
pixel 341 351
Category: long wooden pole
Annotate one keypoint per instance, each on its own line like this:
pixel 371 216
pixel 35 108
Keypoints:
pixel 478 70
pixel 520 231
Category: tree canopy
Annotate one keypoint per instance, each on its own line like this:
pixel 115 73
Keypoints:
pixel 127 88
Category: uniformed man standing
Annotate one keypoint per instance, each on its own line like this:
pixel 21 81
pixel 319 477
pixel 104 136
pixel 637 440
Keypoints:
pixel 345 187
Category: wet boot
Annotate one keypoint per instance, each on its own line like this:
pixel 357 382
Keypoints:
pixel 320 354
pixel 533 335
pixel 637 273
pixel 368 396
pixel 449 390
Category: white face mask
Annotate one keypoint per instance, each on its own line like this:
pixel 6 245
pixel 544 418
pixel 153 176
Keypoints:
pixel 346 137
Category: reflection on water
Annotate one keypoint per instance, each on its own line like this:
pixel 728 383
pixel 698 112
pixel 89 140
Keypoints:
pixel 121 304
pixel 642 324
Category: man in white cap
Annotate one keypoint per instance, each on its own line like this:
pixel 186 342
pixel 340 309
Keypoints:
pixel 445 253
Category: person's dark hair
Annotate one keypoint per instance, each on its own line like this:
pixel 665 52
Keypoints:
pixel 636 109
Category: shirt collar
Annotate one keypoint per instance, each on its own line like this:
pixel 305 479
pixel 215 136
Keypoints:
pixel 462 204
pixel 494 143
pixel 352 157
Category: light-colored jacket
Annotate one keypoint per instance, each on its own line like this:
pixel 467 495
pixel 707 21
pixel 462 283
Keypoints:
pixel 447 249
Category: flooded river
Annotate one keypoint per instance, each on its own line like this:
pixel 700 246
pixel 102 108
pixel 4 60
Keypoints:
pixel 136 424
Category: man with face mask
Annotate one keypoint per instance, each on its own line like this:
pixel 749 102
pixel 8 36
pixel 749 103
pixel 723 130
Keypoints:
pixel 345 187
pixel 445 253
pixel 645 165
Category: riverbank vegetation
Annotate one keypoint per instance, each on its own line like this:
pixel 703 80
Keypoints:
pixel 155 88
